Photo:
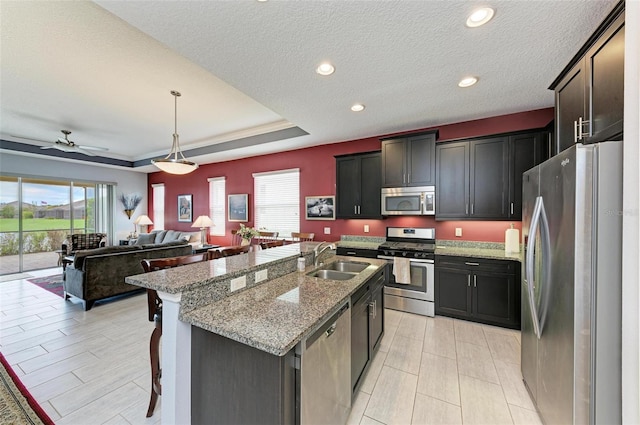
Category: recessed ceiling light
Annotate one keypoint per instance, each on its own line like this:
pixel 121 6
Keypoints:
pixel 325 68
pixel 480 17
pixel 358 107
pixel 467 82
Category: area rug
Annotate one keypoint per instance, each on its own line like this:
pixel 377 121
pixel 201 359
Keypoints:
pixel 52 284
pixel 17 405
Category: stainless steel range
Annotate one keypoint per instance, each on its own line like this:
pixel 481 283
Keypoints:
pixel 415 247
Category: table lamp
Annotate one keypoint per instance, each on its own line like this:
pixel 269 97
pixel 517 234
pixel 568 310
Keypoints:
pixel 203 222
pixel 142 220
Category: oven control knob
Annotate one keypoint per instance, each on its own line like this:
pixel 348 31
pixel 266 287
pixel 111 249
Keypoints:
pixel 404 254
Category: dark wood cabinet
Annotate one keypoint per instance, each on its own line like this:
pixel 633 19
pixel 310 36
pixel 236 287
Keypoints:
pixel 481 179
pixel 525 152
pixel 358 185
pixel 409 161
pixel 367 325
pixel 486 291
pixel 472 179
pixel 357 252
pixel 589 93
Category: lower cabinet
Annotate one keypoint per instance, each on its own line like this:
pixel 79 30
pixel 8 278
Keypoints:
pixel 486 291
pixel 367 325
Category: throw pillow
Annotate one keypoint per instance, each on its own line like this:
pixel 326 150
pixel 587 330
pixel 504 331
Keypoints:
pixel 146 238
pixel 159 235
pixel 171 236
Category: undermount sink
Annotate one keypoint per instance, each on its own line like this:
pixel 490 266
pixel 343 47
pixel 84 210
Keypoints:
pixel 332 274
pixel 346 266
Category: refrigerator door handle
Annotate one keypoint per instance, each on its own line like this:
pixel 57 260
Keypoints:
pixel 539 217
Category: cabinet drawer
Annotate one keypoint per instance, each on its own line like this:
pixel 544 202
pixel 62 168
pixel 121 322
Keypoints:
pixel 357 252
pixel 471 264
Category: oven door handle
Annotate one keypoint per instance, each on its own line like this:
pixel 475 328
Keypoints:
pixel 413 260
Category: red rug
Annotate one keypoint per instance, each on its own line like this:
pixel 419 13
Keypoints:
pixel 52 284
pixel 17 405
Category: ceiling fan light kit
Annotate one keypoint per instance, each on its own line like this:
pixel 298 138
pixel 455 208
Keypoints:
pixel 172 163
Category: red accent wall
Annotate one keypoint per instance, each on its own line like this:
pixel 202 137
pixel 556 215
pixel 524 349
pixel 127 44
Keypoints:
pixel 318 177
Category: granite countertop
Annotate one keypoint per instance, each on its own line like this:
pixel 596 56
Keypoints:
pixel 488 250
pixel 276 315
pixel 361 242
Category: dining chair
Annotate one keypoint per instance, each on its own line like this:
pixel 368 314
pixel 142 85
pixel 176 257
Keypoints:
pixel 236 239
pixel 236 250
pixel 272 244
pixel 302 237
pixel 266 236
pixel 154 305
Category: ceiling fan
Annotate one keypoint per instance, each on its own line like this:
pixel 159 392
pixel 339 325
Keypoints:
pixel 66 145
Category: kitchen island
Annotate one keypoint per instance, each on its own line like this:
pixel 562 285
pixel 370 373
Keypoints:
pixel 267 318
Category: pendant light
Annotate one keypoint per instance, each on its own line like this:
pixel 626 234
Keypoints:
pixel 172 164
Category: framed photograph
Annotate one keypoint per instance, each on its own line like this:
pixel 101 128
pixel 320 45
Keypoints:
pixel 185 208
pixel 238 207
pixel 320 207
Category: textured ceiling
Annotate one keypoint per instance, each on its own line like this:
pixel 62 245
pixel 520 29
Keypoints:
pixel 104 70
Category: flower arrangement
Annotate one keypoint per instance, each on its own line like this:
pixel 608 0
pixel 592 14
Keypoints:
pixel 247 233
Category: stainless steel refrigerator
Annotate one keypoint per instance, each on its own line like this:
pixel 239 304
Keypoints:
pixel 571 285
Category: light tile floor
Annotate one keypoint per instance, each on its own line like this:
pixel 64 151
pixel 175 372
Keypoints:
pixel 92 367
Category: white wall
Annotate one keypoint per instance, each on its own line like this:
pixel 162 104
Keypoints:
pixel 126 181
pixel 631 217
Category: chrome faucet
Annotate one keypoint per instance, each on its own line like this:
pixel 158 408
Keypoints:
pixel 319 249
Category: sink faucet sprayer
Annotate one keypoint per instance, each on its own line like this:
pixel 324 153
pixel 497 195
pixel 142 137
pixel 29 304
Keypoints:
pixel 319 249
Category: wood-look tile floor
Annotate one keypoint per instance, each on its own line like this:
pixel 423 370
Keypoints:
pixel 93 368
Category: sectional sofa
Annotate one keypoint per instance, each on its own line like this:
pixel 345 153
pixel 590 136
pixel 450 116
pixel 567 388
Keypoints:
pixel 99 273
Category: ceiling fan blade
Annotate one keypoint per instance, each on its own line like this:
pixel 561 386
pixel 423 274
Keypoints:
pixel 93 148
pixel 30 138
pixel 82 151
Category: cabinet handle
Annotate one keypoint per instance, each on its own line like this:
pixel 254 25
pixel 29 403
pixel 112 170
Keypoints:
pixel 371 310
pixel 355 209
pixel 474 280
pixel 512 208
pixel 472 208
pixel 375 308
pixel 351 253
pixel 575 132
pixel 471 264
pixel 358 209
pixel 468 280
pixel 466 209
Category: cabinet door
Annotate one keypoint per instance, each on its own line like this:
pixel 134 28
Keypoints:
pixel 452 180
pixel 393 165
pixel 489 178
pixel 421 160
pixel 570 106
pixel 452 294
pixel 605 88
pixel 360 353
pixel 347 186
pixel 370 178
pixel 377 317
pixel 525 152
pixel 494 299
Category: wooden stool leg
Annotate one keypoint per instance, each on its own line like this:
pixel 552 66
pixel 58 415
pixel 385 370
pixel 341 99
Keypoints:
pixel 156 372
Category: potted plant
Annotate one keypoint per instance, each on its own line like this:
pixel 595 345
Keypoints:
pixel 247 233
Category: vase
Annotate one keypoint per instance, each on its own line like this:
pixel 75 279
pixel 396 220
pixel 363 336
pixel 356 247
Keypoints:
pixel 245 242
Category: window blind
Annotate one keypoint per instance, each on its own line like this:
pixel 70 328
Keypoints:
pixel 217 205
pixel 158 206
pixel 277 201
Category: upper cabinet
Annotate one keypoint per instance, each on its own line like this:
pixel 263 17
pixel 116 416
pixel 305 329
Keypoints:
pixel 358 185
pixel 409 161
pixel 589 94
pixel 481 179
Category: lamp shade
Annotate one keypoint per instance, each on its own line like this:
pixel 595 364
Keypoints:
pixel 143 220
pixel 202 222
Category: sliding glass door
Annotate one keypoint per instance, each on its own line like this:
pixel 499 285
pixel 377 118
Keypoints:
pixel 37 215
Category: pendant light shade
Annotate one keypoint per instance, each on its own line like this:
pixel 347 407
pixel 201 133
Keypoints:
pixel 174 164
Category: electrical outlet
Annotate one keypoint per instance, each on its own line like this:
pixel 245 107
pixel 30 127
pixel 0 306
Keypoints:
pixel 458 231
pixel 327 230
pixel 238 283
pixel 261 275
pixel 366 228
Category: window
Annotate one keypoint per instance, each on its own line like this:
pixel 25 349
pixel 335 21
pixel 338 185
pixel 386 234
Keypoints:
pixel 217 205
pixel 277 201
pixel 158 206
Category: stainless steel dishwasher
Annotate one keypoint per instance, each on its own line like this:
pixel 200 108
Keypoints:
pixel 325 378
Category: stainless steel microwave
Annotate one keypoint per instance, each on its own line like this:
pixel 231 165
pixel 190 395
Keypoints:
pixel 409 200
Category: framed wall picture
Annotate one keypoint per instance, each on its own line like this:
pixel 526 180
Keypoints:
pixel 320 207
pixel 185 208
pixel 239 207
